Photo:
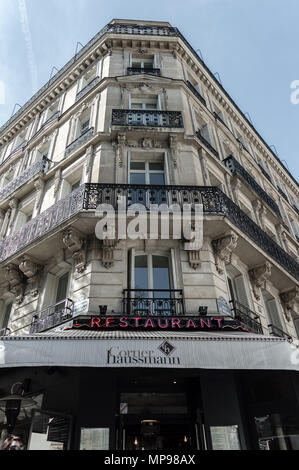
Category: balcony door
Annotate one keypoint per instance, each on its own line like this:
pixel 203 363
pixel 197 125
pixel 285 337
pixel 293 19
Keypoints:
pixel 151 292
pixel 147 173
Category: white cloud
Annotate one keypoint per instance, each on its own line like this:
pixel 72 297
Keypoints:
pixel 28 41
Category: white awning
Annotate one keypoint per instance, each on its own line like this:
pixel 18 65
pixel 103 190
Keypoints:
pixel 77 348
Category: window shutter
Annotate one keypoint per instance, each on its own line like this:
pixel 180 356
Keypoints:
pixel 273 313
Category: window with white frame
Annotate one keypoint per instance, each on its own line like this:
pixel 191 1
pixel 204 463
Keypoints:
pixel 143 62
pixel 24 213
pixel 145 102
pixel 274 316
pixel 56 289
pixel 88 77
pixel 71 180
pixel 83 124
pixel 203 128
pixel 50 111
pixel 20 138
pixel 236 287
pixel 8 177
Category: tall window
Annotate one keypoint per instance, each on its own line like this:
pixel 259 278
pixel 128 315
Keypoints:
pixel 83 124
pixel 274 317
pixel 6 317
pixel 62 287
pixel 237 289
pixel 147 173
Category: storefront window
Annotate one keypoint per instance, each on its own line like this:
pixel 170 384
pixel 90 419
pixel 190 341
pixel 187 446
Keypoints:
pixel 277 432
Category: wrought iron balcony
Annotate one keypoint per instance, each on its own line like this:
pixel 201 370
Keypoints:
pixel 52 316
pixel 196 93
pixel 149 118
pixel 235 167
pixel 207 144
pixel 88 87
pixel 148 70
pixel 265 173
pixel 249 319
pixel 167 302
pixel 89 196
pixel 37 167
pixel 275 331
pixel 81 140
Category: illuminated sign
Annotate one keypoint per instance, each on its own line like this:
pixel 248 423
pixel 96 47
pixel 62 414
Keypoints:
pixel 145 322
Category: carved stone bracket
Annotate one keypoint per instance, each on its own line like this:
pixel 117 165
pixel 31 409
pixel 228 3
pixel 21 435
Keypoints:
pixel 258 277
pixel 107 252
pixel 288 301
pixel 223 248
pixel 119 145
pixel 77 244
pixel 15 280
pixel 194 258
pixel 32 271
pixel 173 145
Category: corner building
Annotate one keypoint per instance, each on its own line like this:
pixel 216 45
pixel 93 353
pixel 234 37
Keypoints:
pixel 142 343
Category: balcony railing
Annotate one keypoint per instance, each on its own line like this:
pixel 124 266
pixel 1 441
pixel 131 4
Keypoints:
pixel 27 175
pixel 149 118
pixel 4 331
pixel 148 70
pixel 196 93
pixel 207 144
pixel 81 140
pixel 249 319
pixel 89 196
pixel 235 167
pixel 167 302
pixel 275 331
pixel 88 87
pixel 52 316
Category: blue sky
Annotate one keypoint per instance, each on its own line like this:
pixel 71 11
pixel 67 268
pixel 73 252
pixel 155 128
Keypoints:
pixel 252 44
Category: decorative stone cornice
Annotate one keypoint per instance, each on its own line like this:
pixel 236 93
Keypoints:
pixel 258 277
pixel 223 248
pixel 77 244
pixel 288 301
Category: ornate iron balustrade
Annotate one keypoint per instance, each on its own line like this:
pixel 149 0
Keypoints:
pixel 164 302
pixel 275 331
pixel 148 71
pixel 265 173
pixel 28 174
pixel 88 87
pixel 52 316
pixel 196 93
pixel 249 319
pixel 235 167
pixel 89 196
pixel 43 223
pixel 81 140
pixel 207 144
pixel 282 193
pixel 141 29
pixel 149 118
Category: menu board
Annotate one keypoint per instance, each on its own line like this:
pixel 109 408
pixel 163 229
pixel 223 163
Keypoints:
pixel 225 437
pixel 94 439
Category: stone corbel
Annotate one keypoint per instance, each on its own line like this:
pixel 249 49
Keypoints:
pixel 13 204
pixel 194 258
pixel 257 205
pixel 32 271
pixel 263 213
pixel 119 146
pixel 107 252
pixel 288 301
pixel 173 145
pixel 57 180
pixel 258 277
pixel 77 244
pixel 87 166
pixel 15 282
pixel 223 248
pixel 236 186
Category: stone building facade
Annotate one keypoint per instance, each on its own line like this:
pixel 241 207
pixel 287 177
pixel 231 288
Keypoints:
pixel 137 113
